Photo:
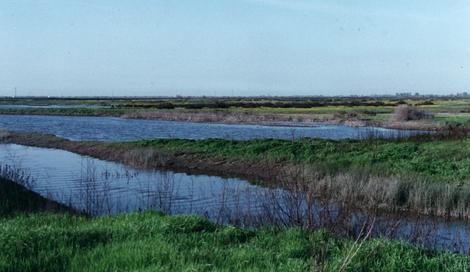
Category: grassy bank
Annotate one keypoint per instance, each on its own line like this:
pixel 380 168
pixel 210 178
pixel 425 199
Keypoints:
pixel 436 160
pixel 152 242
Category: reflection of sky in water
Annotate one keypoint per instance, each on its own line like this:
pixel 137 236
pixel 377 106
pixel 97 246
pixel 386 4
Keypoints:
pixel 103 187
pixel 53 107
pixel 117 129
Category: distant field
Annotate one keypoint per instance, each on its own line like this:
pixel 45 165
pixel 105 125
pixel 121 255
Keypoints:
pixel 365 110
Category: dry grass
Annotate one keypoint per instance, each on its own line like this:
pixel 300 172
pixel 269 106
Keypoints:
pixel 219 117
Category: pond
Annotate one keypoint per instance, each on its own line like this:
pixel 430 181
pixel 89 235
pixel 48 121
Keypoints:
pixel 118 129
pixel 20 106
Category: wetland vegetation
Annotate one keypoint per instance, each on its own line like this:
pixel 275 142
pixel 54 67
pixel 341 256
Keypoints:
pixel 354 111
pixel 413 176
pixel 41 239
pixel 423 175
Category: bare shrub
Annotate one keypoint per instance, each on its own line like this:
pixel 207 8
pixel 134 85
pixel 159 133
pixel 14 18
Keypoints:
pixel 409 113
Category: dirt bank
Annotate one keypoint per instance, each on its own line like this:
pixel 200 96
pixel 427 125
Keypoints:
pixel 148 158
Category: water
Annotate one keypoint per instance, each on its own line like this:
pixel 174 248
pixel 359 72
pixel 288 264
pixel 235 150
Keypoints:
pixel 13 106
pixel 118 129
pixel 100 187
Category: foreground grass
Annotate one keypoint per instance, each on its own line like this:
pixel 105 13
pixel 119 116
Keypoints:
pixel 439 160
pixel 153 242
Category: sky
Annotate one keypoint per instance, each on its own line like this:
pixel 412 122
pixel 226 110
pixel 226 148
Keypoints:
pixel 233 47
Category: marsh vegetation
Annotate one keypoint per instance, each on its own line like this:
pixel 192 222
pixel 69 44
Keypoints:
pixel 35 240
pixel 355 111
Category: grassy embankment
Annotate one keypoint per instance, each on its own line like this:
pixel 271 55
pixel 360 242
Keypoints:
pixel 442 161
pixel 424 177
pixel 31 240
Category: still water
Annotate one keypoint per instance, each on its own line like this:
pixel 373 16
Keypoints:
pixel 20 106
pixel 100 187
pixel 118 129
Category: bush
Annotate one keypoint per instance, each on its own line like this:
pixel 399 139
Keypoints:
pixel 409 113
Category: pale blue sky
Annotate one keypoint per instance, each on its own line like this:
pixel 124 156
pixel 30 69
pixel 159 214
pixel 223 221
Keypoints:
pixel 240 47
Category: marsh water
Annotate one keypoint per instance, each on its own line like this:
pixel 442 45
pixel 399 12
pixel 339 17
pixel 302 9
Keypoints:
pixel 118 129
pixel 21 106
pixel 100 187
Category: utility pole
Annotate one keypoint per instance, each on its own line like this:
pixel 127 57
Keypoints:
pixel 15 93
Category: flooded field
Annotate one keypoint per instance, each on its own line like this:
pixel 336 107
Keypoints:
pixel 102 188
pixel 118 129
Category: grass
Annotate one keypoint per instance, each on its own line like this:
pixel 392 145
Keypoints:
pixel 438 161
pixel 150 241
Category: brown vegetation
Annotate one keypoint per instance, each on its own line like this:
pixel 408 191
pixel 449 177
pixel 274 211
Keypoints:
pixel 409 113
pixel 219 117
pixel 271 119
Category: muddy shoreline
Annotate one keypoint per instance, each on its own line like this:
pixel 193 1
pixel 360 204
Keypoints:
pixel 148 158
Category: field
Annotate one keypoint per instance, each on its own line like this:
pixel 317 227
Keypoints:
pixel 356 111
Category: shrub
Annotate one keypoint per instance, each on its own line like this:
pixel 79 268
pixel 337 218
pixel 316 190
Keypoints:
pixel 409 113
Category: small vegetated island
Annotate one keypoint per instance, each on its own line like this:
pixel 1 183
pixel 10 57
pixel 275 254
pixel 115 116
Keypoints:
pixel 423 176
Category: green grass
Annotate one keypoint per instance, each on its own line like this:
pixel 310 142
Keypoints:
pixel 439 160
pixel 153 242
